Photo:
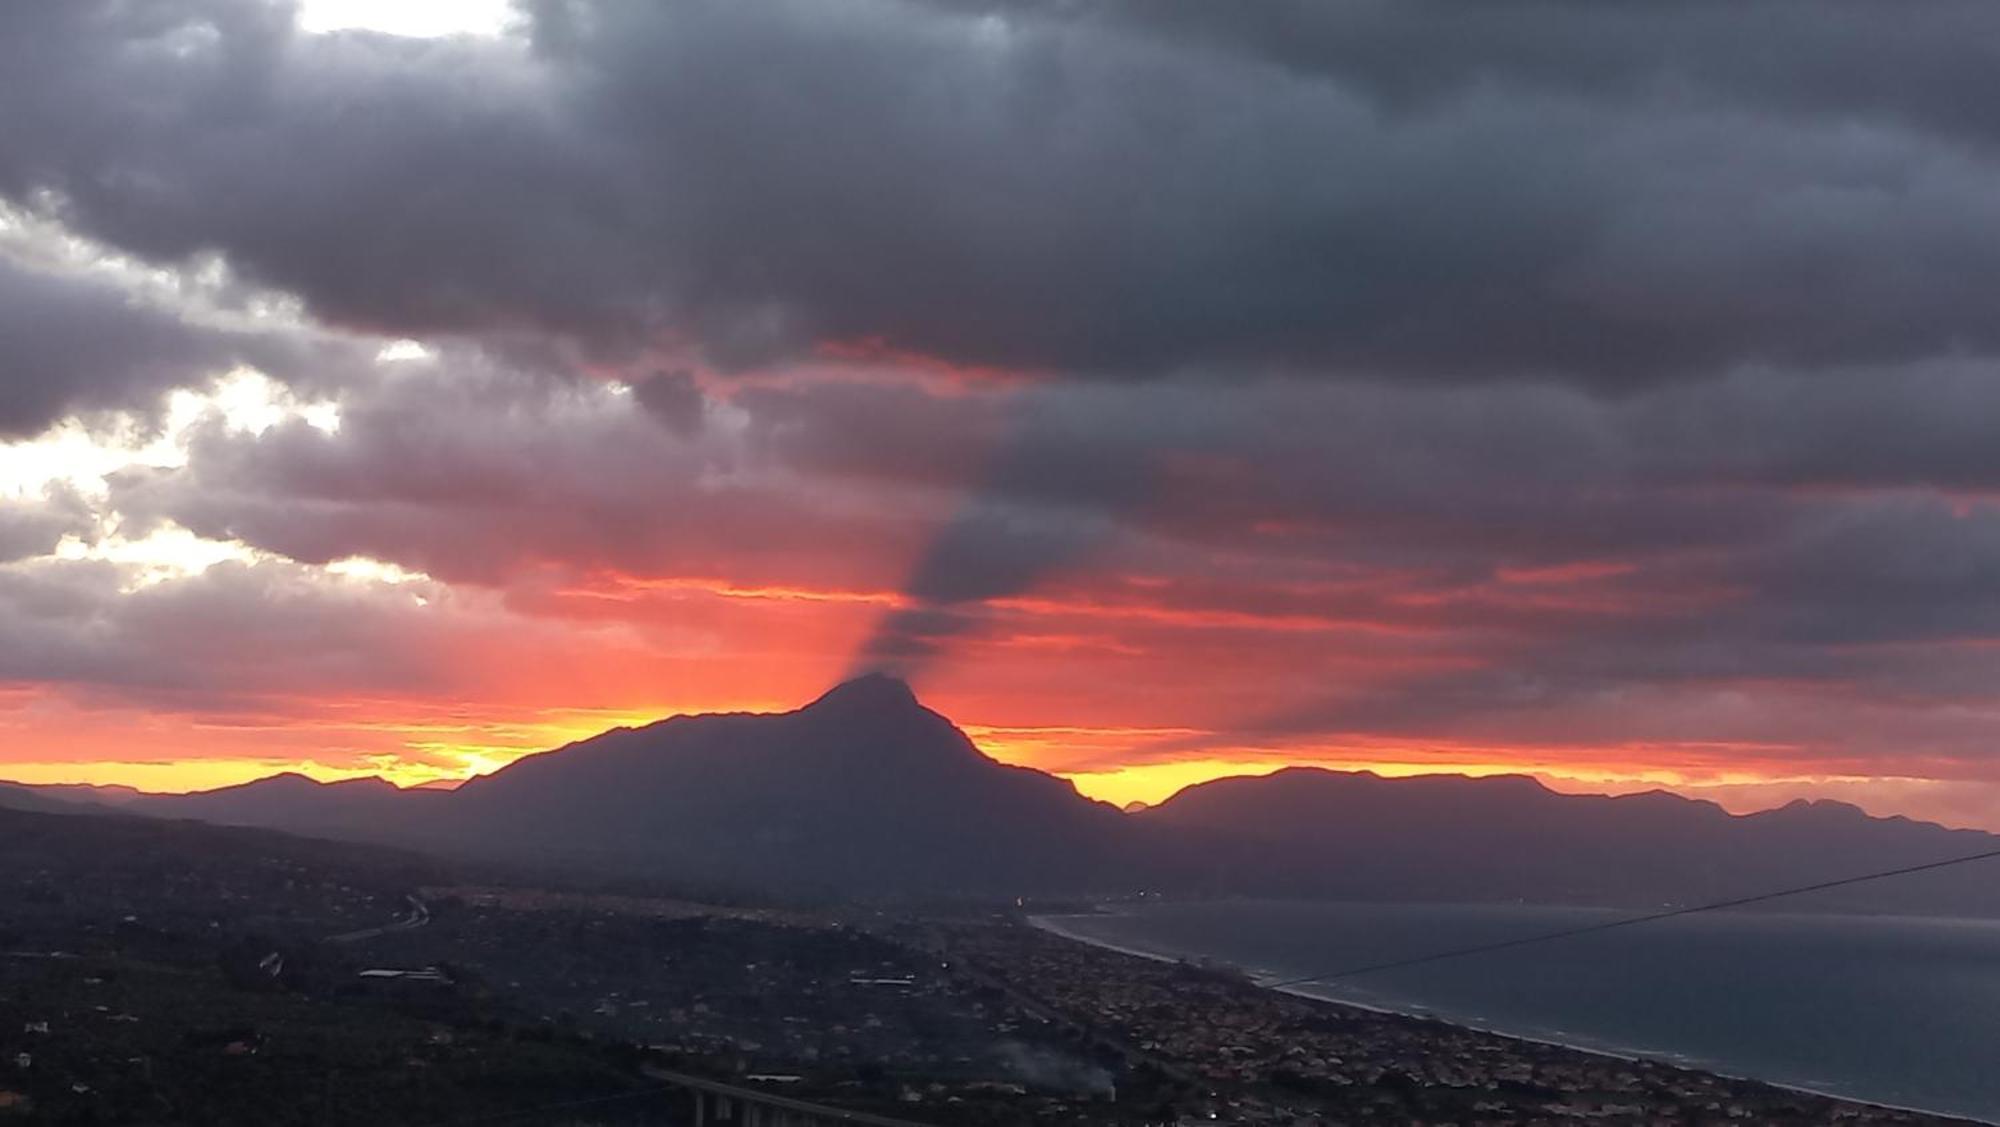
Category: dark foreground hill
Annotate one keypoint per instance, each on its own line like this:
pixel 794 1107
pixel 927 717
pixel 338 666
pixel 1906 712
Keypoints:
pixel 180 974
pixel 867 793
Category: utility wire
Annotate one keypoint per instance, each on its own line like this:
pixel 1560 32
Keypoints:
pixel 1629 921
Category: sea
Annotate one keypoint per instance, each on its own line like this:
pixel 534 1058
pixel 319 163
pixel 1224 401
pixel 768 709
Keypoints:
pixel 1888 1009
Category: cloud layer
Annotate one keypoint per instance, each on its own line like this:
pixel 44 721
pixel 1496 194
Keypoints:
pixel 1348 189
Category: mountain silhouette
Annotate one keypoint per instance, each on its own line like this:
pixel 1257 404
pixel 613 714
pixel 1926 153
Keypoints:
pixel 18 796
pixel 863 792
pixel 867 793
pixel 1310 832
pixel 365 808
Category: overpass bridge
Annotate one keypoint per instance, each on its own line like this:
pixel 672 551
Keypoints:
pixel 712 1103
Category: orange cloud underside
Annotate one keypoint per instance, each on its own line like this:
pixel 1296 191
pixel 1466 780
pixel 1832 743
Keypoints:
pixel 1116 687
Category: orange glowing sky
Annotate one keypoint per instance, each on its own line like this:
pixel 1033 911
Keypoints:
pixel 1131 699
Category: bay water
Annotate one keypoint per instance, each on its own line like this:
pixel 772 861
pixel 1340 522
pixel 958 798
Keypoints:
pixel 1895 1010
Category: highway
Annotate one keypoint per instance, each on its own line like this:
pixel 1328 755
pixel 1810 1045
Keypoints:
pixel 418 915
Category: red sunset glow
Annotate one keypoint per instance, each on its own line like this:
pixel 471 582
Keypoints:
pixel 1131 685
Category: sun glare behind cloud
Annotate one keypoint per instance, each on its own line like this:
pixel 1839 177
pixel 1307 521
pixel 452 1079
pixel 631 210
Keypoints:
pixel 427 20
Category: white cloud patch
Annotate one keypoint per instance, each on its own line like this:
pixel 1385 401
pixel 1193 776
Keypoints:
pixel 426 20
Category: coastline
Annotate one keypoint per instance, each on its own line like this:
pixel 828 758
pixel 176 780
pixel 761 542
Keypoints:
pixel 1053 925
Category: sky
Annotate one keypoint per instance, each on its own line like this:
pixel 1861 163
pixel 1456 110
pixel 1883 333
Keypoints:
pixel 1168 389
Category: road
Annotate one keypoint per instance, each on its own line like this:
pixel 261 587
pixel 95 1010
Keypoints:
pixel 418 915
pixel 811 1112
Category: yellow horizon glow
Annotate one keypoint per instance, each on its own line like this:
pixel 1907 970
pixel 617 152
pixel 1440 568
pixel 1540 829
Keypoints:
pixel 186 776
pixel 1150 784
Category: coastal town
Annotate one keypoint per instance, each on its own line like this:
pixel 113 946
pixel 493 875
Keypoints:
pixel 178 973
pixel 1269 1057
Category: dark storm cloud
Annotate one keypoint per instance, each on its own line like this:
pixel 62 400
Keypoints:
pixel 1613 195
pixel 69 344
pixel 472 472
pixel 1054 487
pixel 989 549
pixel 675 400
pixel 1843 58
pixel 1837 605
pixel 33 527
pixel 231 630
pixel 1923 426
pixel 482 474
pixel 1738 532
pixel 477 473
pixel 77 340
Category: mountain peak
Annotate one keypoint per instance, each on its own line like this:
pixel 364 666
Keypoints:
pixel 1824 809
pixel 870 692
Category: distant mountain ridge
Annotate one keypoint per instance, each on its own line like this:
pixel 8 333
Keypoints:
pixel 862 792
pixel 863 789
pixel 354 808
pixel 33 799
pixel 865 792
pixel 1508 837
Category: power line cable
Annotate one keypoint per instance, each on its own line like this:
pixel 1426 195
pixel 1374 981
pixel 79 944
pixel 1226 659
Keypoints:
pixel 1629 921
